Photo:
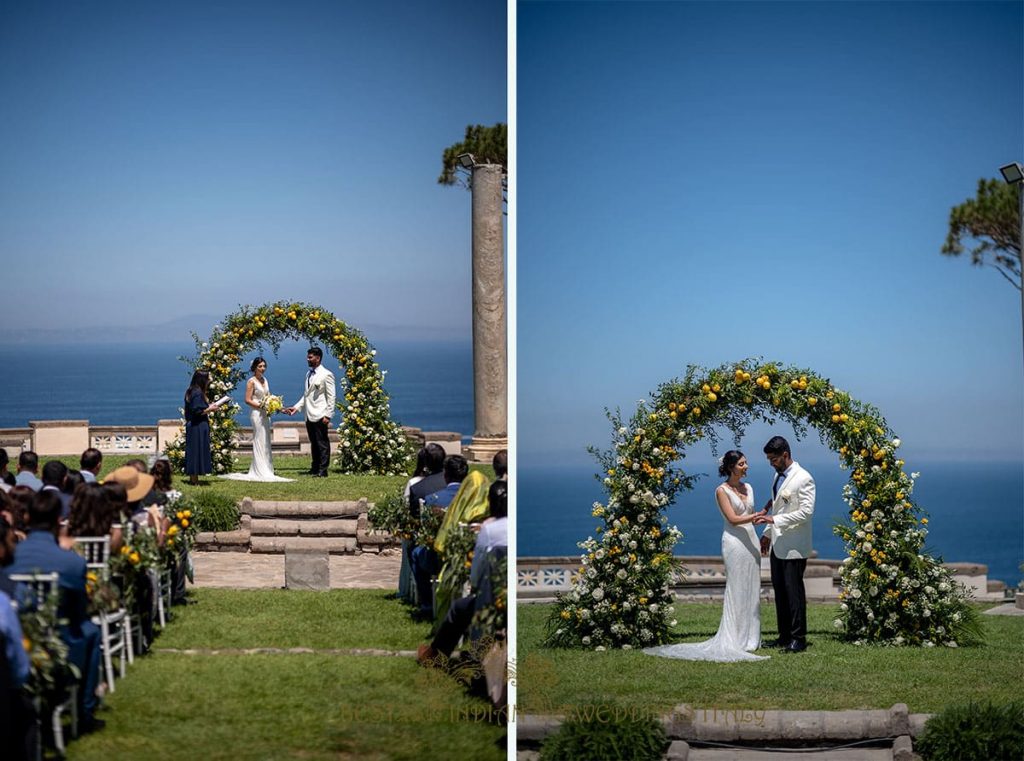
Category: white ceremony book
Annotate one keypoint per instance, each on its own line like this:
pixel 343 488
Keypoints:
pixel 221 402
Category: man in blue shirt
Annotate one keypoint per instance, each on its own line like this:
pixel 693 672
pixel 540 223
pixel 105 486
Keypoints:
pixel 28 464
pixel 40 553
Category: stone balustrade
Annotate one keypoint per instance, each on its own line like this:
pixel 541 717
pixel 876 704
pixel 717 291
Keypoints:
pixel 55 438
pixel 541 578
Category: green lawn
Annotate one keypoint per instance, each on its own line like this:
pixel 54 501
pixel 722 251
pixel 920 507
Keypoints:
pixel 831 675
pixel 273 706
pixel 305 487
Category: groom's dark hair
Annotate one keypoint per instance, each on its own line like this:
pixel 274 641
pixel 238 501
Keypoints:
pixel 316 351
pixel 777 445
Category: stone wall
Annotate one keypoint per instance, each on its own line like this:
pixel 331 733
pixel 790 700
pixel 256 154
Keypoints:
pixel 54 438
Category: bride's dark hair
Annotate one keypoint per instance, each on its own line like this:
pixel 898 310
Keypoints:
pixel 729 460
pixel 252 367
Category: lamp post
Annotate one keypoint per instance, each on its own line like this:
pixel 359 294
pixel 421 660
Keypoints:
pixel 1014 175
pixel 490 337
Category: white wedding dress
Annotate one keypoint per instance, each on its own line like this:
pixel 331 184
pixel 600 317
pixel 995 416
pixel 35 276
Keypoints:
pixel 740 629
pixel 262 468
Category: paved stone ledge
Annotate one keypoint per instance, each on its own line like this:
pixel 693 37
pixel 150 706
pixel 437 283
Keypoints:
pixel 283 527
pixel 286 651
pixel 269 509
pixel 690 723
pixel 278 544
pixel 224 541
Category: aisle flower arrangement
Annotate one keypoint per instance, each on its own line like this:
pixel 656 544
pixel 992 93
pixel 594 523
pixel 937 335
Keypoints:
pixel 892 594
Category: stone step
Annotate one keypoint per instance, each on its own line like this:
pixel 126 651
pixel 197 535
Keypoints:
pixel 336 545
pixel 299 510
pixel 312 527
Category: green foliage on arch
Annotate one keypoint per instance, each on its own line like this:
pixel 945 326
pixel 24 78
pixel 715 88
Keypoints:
pixel 370 441
pixel 892 592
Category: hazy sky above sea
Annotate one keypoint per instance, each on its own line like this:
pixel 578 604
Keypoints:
pixel 165 160
pixel 706 182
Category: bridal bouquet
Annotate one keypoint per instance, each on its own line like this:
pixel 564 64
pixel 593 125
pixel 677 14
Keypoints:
pixel 272 404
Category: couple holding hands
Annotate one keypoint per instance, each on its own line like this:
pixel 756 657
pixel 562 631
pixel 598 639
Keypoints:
pixel 786 517
pixel 318 402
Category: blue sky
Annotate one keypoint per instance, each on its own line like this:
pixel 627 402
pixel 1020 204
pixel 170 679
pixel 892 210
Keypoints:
pixel 705 182
pixel 165 160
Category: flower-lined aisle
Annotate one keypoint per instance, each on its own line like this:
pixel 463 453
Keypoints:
pixel 130 582
pixel 486 633
pixel 893 593
pixel 371 442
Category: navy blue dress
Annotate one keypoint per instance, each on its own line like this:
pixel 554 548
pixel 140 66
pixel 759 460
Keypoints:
pixel 198 460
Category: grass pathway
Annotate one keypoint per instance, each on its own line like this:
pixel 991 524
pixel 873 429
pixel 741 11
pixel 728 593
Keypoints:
pixel 269 674
pixel 831 675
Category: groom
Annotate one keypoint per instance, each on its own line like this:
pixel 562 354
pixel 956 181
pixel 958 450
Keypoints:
pixel 318 401
pixel 788 538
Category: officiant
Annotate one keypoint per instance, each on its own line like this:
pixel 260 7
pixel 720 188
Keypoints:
pixel 198 457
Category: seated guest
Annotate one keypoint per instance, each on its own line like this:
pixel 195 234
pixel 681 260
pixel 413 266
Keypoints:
pixel 39 552
pixel 432 482
pixel 6 477
pixel 455 470
pixel 137 485
pixel 72 480
pixel 161 472
pixel 500 464
pixel 54 475
pixel 92 514
pixel 491 542
pixel 469 506
pixel 7 510
pixel 154 496
pixel 128 484
pixel 425 560
pixel 17 716
pixel 20 499
pixel 91 462
pixel 28 466
pixel 405 580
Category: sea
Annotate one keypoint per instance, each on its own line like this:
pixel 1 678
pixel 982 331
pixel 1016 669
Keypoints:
pixel 975 510
pixel 430 383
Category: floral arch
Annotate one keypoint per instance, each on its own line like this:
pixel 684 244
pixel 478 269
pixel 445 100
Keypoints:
pixel 370 441
pixel 892 592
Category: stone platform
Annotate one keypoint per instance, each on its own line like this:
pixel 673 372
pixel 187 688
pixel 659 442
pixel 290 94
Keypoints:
pixel 243 570
pixel 271 527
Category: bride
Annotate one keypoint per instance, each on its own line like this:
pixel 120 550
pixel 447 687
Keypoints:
pixel 740 629
pixel 257 390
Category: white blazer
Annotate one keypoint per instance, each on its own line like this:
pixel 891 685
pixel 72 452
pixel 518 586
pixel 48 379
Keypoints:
pixel 792 510
pixel 318 400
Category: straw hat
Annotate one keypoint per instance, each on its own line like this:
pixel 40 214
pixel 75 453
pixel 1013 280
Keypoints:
pixel 137 484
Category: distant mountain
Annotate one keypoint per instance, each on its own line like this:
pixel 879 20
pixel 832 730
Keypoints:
pixel 179 330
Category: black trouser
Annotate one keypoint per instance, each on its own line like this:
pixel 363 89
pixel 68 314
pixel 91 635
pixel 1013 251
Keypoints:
pixel 460 615
pixel 790 599
pixel 320 446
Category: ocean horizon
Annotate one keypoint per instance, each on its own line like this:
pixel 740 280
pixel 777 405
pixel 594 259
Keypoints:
pixel 974 509
pixel 430 383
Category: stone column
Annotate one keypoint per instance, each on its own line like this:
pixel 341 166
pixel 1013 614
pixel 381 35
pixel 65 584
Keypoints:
pixel 490 363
